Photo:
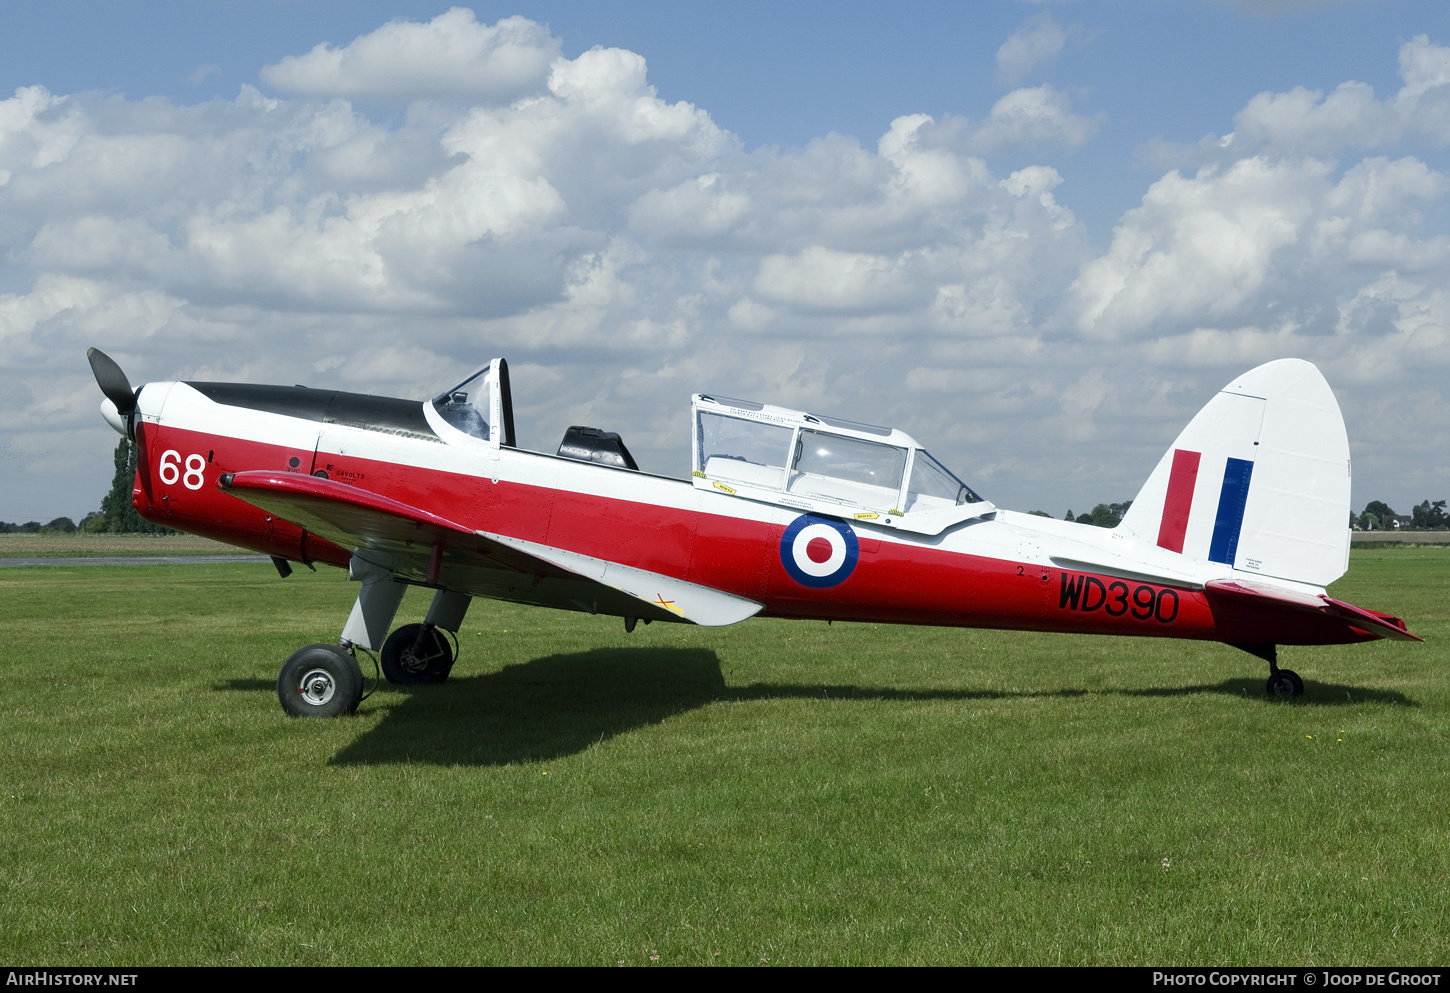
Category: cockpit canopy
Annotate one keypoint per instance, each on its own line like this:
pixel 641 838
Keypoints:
pixel 480 407
pixel 757 451
pixel 825 464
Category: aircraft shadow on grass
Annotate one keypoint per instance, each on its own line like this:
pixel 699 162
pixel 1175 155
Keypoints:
pixel 561 704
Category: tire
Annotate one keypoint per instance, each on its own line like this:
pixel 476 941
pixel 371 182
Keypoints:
pixel 404 665
pixel 1285 685
pixel 320 681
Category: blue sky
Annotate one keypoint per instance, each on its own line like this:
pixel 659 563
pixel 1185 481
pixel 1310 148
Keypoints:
pixel 956 280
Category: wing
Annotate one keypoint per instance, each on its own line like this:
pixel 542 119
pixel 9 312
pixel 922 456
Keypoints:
pixel 426 548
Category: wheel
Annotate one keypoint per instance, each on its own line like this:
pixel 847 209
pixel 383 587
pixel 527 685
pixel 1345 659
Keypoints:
pixel 1285 684
pixel 320 681
pixel 407 665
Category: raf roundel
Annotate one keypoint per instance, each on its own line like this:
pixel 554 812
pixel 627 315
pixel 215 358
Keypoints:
pixel 819 552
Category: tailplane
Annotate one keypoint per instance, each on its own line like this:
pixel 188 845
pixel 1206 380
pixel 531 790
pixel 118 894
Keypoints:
pixel 1259 480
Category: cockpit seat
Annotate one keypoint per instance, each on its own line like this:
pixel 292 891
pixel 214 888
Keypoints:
pixel 593 445
pixel 457 411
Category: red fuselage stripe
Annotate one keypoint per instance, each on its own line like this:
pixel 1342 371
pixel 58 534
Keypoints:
pixel 1179 500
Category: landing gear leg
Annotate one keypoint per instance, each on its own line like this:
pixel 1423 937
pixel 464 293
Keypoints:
pixel 419 654
pixel 377 604
pixel 1283 684
pixel 325 680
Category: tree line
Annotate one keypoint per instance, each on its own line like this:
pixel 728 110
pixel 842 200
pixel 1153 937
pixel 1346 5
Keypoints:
pixel 1376 516
pixel 116 515
pixel 1104 515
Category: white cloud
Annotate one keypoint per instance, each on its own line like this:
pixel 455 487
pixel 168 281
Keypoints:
pixel 450 56
pixel 749 315
pixel 924 174
pixel 35 129
pixel 698 208
pixel 1256 234
pixel 1216 348
pixel 820 278
pixel 1032 116
pixel 1311 123
pixel 22 314
pixel 624 251
pixel 1378 188
pixel 1303 122
pixel 1200 245
pixel 1035 44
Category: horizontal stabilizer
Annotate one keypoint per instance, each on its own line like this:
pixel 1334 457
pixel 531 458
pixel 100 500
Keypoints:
pixel 1264 601
pixel 1384 625
pixel 1294 598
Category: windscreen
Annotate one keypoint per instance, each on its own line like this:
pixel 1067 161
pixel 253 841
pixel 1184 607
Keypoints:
pixel 933 485
pixel 466 406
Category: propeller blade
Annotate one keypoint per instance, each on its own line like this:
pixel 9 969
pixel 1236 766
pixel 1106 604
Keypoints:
pixel 112 381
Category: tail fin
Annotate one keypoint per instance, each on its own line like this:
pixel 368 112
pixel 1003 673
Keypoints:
pixel 1259 480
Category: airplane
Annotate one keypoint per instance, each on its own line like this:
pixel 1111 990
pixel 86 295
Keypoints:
pixel 784 514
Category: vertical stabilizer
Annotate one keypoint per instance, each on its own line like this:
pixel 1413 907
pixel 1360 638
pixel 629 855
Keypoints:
pixel 1258 481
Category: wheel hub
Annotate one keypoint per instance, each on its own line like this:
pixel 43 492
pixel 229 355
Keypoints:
pixel 417 661
pixel 317 687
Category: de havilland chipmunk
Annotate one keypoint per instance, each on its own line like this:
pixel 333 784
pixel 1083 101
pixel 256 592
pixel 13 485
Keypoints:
pixel 784 514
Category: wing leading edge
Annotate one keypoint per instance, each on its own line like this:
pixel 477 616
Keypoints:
pixel 426 548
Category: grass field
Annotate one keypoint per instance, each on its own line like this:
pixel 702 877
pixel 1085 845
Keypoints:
pixel 15 546
pixel 795 793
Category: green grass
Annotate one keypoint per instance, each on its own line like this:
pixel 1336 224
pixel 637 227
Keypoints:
pixel 83 545
pixel 795 792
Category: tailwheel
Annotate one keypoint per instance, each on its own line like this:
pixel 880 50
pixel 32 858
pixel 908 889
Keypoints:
pixel 416 655
pixel 1284 684
pixel 320 681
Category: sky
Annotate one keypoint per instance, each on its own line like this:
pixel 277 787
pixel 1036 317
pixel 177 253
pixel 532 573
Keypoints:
pixel 1037 236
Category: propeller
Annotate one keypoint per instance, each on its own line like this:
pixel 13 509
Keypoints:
pixel 112 381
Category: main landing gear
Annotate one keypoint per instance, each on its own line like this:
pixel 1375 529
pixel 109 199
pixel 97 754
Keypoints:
pixel 326 680
pixel 1283 684
pixel 417 655
pixel 320 681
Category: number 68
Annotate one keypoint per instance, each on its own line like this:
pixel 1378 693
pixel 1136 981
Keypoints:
pixel 170 469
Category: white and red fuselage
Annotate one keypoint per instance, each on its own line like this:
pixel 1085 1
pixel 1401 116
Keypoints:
pixel 997 570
